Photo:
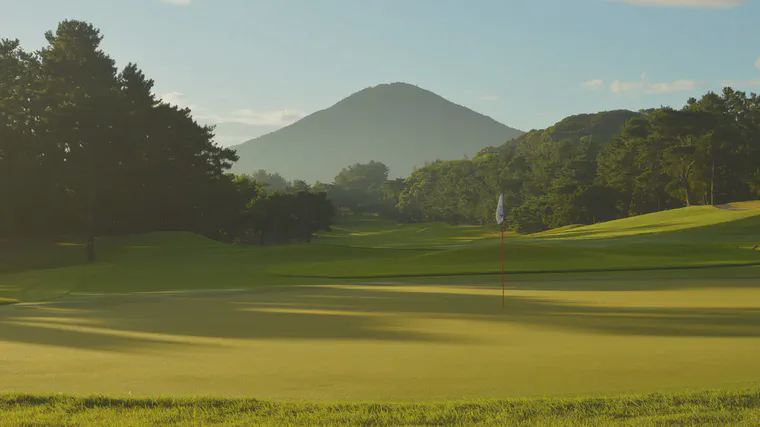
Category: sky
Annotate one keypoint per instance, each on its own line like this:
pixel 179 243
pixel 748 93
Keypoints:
pixel 253 66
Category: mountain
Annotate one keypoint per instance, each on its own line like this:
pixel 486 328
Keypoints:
pixel 398 124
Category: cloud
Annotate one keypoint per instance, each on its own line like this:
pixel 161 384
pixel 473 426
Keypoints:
pixel 653 88
pixel 172 97
pixel 236 126
pixel 676 86
pixel 737 83
pixel 263 118
pixel 178 99
pixel 695 4
pixel 595 84
pixel 620 87
pixel 177 2
pixel 244 116
pixel 489 98
pixel 757 64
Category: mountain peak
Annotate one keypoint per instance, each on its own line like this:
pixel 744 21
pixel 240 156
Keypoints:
pixel 399 124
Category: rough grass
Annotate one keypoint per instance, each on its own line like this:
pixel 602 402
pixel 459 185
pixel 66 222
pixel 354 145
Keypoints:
pixel 735 408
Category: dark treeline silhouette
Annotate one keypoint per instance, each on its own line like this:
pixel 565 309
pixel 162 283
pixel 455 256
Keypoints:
pixel 86 149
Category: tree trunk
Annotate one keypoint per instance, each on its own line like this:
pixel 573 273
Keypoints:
pixel 689 195
pixel 8 225
pixel 712 184
pixel 91 196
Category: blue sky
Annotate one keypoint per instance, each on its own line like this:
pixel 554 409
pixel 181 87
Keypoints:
pixel 252 66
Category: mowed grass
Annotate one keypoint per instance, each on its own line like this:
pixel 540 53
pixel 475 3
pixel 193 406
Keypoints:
pixel 391 342
pixel 681 238
pixel 737 408
pixel 392 314
pixel 370 248
pixel 661 222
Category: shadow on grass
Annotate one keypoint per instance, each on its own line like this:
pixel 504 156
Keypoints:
pixel 339 313
pixel 744 277
pixel 22 255
pixel 525 272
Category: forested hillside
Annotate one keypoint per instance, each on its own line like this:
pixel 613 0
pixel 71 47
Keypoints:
pixel 597 167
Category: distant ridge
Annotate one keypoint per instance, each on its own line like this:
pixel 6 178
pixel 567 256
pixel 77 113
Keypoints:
pixel 399 124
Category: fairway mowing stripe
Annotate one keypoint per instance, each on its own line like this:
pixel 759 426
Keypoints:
pixel 526 272
pixel 152 336
pixel 346 313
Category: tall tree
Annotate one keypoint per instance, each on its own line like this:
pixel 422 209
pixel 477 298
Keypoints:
pixel 85 88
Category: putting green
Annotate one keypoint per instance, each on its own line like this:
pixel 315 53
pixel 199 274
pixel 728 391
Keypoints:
pixel 394 341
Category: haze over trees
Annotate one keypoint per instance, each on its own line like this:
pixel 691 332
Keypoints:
pixel 592 168
pixel 87 149
pixel 398 124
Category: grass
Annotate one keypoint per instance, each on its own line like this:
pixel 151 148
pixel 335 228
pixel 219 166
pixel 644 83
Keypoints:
pixel 403 316
pixel 369 248
pixel 660 222
pixel 737 408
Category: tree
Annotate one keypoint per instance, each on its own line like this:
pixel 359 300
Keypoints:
pixel 85 89
pixel 271 181
pixel 358 187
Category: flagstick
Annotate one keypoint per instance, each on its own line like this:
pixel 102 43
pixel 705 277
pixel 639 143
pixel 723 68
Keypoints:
pixel 502 265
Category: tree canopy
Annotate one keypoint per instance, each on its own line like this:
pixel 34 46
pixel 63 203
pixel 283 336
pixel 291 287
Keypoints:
pixel 592 168
pixel 87 149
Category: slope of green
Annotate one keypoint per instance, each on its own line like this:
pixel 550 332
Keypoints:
pixel 660 222
pixel 737 408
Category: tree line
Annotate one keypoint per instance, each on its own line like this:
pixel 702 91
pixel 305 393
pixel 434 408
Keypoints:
pixel 587 168
pixel 87 149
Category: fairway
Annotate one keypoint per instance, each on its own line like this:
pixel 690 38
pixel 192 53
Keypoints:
pixel 385 312
pixel 392 342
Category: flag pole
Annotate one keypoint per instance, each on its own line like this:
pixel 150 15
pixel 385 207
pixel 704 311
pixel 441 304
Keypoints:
pixel 502 265
pixel 501 222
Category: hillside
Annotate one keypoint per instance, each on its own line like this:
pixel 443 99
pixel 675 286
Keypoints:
pixel 601 127
pixel 399 124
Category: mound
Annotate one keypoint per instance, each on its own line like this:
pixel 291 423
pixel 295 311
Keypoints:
pixel 660 222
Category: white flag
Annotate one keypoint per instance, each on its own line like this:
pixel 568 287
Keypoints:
pixel 500 210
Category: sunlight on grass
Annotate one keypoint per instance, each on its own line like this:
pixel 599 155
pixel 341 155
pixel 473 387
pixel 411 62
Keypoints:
pixel 393 342
pixel 673 220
